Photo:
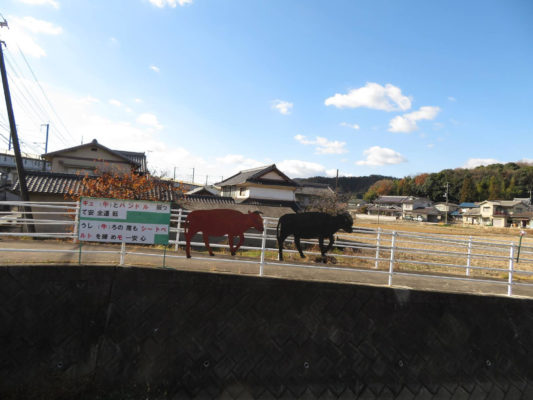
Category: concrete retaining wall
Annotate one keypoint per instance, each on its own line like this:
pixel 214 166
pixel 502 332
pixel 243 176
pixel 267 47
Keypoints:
pixel 139 333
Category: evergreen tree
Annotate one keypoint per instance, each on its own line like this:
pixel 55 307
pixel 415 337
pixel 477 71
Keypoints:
pixel 468 191
pixel 495 186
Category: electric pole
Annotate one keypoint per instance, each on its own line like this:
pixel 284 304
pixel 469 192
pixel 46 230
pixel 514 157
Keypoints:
pixel 45 144
pixel 446 194
pixel 14 136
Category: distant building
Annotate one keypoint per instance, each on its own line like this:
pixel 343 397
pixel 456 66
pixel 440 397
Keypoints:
pixel 8 167
pixel 93 156
pixel 207 190
pixel 308 193
pixel 263 185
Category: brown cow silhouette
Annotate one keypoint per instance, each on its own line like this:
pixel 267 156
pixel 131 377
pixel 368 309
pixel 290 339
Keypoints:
pixel 220 222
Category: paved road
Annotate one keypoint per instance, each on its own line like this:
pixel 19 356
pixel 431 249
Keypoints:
pixel 51 252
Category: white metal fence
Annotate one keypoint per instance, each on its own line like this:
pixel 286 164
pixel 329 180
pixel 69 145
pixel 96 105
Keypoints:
pixel 391 255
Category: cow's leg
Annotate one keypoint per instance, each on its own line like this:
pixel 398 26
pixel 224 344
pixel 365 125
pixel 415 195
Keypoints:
pixel 231 238
pixel 298 245
pixel 241 241
pixel 281 239
pixel 188 237
pixel 206 241
pixel 331 241
pixel 328 248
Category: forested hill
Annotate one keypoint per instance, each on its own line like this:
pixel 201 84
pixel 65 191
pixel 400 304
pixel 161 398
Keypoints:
pixel 491 182
pixel 356 185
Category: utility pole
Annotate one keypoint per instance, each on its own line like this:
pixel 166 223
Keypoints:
pixel 193 175
pixel 446 194
pixel 174 173
pixel 14 136
pixel 45 144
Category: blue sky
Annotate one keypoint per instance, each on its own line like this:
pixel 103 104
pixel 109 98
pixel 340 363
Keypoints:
pixel 367 87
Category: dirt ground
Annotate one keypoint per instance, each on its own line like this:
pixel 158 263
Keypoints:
pixel 488 232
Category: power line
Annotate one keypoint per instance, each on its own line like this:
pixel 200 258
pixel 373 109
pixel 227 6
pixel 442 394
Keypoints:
pixel 36 106
pixel 15 69
pixel 45 95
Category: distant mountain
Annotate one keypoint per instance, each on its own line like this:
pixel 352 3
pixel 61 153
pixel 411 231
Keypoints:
pixel 356 185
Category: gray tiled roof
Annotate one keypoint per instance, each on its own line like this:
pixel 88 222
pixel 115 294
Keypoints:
pixel 254 175
pixel 50 183
pixel 136 158
pixel 61 184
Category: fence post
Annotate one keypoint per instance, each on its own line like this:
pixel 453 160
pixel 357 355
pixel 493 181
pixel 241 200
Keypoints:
pixel 76 222
pixel 391 264
pixel 263 247
pixel 378 242
pixel 511 270
pixel 178 232
pixel 122 253
pixel 469 256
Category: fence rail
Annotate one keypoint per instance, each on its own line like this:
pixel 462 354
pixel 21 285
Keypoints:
pixel 380 252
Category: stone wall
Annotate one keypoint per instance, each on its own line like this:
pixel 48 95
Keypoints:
pixel 140 333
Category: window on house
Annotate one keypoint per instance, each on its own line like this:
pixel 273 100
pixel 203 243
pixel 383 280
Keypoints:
pixel 486 208
pixel 242 192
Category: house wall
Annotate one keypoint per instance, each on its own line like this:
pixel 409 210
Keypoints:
pixel 499 222
pixel 271 193
pixel 272 175
pixel 486 210
pixel 84 160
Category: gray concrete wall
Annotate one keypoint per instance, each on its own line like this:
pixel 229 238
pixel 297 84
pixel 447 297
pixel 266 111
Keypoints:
pixel 139 333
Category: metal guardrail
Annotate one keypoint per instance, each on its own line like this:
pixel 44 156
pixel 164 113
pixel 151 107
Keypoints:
pixel 377 251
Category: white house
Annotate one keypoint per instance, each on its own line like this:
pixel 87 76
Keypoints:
pixel 265 184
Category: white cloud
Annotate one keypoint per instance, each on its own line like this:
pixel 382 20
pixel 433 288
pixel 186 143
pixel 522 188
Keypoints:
pixel 154 68
pixel 372 95
pixel 21 31
pixel 526 160
pixel 115 103
pixel 476 162
pixel 89 100
pixel 353 126
pixel 407 122
pixel 284 107
pixel 170 3
pixel 239 162
pixel 323 145
pixel 381 156
pixel 52 3
pixel 38 26
pixel 303 169
pixel 149 120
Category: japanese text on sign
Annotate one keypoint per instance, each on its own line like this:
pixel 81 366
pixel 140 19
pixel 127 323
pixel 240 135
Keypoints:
pixel 124 221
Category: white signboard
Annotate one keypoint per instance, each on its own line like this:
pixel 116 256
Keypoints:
pixel 123 221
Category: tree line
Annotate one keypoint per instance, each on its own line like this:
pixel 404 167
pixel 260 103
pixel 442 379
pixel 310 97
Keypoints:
pixel 356 186
pixel 491 182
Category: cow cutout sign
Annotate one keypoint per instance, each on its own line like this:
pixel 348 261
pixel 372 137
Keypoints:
pixel 312 225
pixel 220 222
